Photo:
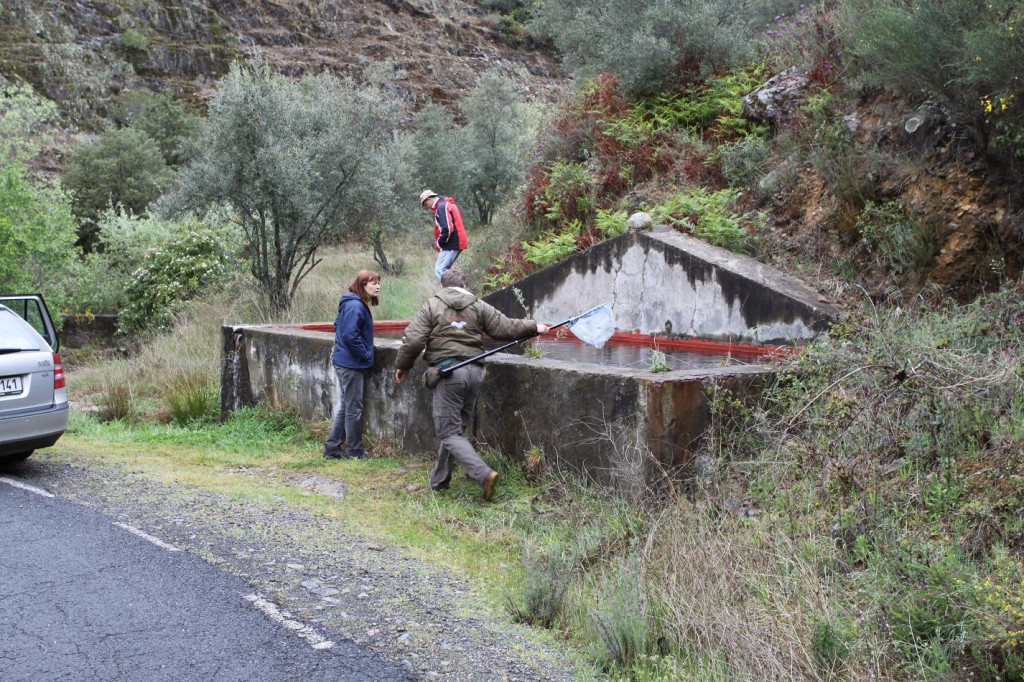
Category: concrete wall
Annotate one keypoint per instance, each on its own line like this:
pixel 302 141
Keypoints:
pixel 621 427
pixel 666 283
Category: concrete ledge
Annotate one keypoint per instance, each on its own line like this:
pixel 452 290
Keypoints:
pixel 620 427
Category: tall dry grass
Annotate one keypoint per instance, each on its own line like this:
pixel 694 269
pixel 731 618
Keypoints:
pixel 164 377
pixel 743 593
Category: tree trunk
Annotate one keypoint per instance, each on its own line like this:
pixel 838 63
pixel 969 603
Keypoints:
pixel 378 253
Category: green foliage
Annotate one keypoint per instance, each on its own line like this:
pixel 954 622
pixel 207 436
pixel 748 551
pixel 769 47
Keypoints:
pixel 123 168
pixel 851 171
pixel 569 193
pixel 658 363
pixel 647 44
pixel 132 41
pixel 123 242
pixel 745 161
pixel 549 568
pixel 831 644
pixel 503 6
pixel 622 615
pixel 171 124
pixel 611 223
pixel 438 162
pixel 118 400
pixel 716 104
pixel 24 121
pixel 191 261
pixel 965 55
pixel 300 162
pixel 193 398
pixel 708 216
pixel 552 248
pixel 37 226
pixel 37 236
pixel 897 241
pixel 923 490
pixel 484 159
pixel 496 141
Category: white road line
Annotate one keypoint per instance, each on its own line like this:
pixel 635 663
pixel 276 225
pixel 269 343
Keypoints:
pixel 25 486
pixel 315 639
pixel 146 536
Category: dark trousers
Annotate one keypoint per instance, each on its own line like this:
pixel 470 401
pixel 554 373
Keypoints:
pixel 348 414
pixel 454 402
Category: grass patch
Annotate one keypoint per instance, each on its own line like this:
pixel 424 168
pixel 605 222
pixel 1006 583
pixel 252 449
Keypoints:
pixel 258 454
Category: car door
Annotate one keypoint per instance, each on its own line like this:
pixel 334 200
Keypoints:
pixel 32 308
pixel 27 368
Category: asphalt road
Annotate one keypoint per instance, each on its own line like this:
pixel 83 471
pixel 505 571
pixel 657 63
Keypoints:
pixel 83 598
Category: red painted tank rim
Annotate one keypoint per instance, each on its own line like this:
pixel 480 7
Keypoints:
pixel 744 350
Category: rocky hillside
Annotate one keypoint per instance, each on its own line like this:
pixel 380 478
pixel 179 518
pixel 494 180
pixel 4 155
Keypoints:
pixel 83 53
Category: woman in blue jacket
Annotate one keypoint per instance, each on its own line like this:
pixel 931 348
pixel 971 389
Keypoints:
pixel 352 360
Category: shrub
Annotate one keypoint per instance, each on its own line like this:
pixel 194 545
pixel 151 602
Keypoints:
pixel 745 161
pixel 133 41
pixel 37 226
pixel 709 216
pixel 171 124
pixel 852 172
pixel 964 55
pixel 831 645
pixel 622 615
pixel 648 44
pixel 122 242
pixel 193 397
pixel 191 261
pixel 37 237
pixel 549 568
pixel 123 168
pixel 25 118
pixel 897 241
pixel 552 248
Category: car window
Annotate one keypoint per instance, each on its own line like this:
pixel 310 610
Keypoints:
pixel 32 309
pixel 15 335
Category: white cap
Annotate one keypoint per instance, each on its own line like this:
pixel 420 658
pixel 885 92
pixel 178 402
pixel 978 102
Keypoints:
pixel 426 194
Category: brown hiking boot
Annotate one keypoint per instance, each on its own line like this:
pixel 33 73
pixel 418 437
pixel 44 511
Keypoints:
pixel 490 483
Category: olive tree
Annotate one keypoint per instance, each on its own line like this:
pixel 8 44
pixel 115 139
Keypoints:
pixel 297 161
pixel 644 43
pixel 497 140
pixel 484 158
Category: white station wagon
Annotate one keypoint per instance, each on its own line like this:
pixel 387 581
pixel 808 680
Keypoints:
pixel 33 392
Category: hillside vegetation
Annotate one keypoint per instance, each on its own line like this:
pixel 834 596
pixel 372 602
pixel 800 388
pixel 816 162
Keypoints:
pixel 861 519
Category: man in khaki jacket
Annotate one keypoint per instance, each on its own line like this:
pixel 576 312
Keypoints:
pixel 448 328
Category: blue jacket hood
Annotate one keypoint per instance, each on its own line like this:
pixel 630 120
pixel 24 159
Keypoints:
pixel 353 334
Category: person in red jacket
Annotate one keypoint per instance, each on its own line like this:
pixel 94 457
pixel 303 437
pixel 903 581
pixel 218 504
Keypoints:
pixel 449 234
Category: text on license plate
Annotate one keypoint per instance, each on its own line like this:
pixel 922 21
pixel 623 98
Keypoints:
pixel 10 385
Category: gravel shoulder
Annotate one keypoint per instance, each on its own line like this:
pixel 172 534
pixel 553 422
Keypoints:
pixel 427 618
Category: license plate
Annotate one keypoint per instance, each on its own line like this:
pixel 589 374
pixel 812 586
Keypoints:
pixel 10 385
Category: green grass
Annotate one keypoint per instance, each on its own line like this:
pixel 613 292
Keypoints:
pixel 255 455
